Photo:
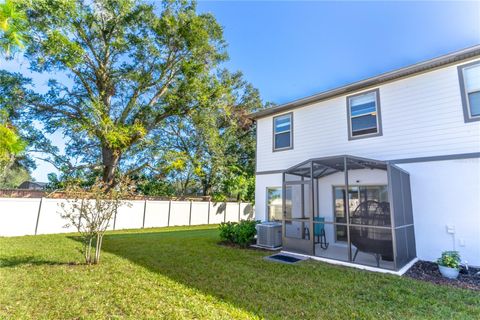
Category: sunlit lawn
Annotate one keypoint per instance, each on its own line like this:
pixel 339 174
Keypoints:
pixel 177 273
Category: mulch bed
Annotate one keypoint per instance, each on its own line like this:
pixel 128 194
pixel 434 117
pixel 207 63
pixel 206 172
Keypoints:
pixel 428 271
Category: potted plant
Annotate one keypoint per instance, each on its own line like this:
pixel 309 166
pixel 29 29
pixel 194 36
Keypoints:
pixel 449 264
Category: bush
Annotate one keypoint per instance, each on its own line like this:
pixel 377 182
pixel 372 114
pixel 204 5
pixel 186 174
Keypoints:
pixel 241 233
pixel 227 231
pixel 450 259
pixel 244 232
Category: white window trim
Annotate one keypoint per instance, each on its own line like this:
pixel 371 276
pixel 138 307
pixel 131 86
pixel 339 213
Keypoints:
pixel 290 114
pixel 378 116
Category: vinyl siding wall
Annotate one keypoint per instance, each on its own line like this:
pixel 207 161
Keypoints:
pixel 421 116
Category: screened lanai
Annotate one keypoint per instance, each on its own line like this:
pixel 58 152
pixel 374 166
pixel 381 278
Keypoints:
pixel 349 209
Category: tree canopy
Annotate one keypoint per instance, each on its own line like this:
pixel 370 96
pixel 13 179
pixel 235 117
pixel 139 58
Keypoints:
pixel 146 93
pixel 130 69
pixel 12 170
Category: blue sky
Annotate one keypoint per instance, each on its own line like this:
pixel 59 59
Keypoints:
pixel 292 49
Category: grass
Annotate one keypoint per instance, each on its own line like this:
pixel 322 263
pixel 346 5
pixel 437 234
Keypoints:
pixel 178 273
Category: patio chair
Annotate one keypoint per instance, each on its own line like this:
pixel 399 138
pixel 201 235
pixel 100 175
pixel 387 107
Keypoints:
pixel 377 242
pixel 318 232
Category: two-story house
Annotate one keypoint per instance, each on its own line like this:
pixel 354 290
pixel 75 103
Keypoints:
pixel 380 172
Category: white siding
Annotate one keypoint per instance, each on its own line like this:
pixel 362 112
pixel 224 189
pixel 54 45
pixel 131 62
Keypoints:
pixel 421 116
pixel 446 193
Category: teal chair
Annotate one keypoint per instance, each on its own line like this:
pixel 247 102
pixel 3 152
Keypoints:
pixel 318 232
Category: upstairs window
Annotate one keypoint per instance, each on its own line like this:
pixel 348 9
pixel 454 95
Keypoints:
pixel 469 76
pixel 364 115
pixel 282 132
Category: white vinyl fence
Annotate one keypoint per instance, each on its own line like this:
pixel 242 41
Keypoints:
pixel 31 216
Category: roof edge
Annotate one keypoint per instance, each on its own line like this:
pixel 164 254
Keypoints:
pixel 411 70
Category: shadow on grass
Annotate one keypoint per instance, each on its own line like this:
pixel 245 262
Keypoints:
pixel 32 261
pixel 194 259
pixel 243 279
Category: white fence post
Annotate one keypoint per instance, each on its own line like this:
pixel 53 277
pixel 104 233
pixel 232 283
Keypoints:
pixel 38 215
pixel 239 206
pixel 225 213
pixel 114 219
pixel 80 215
pixel 144 211
pixel 190 214
pixel 169 209
pixel 208 217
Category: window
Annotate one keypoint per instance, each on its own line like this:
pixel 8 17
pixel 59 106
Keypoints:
pixel 282 132
pixel 274 204
pixel 469 76
pixel 364 115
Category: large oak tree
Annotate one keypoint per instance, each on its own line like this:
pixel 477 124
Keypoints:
pixel 131 66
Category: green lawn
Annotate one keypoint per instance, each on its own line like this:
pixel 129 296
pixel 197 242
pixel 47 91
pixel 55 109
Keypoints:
pixel 178 273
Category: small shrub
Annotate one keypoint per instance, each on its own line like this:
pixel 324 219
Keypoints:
pixel 244 232
pixel 241 234
pixel 91 209
pixel 450 259
pixel 227 231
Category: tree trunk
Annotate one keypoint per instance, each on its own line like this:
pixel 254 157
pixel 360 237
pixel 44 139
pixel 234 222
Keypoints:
pixel 100 248
pixel 110 159
pixel 88 252
pixel 206 187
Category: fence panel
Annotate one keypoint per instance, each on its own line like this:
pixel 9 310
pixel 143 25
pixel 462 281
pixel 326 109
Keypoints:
pixel 50 218
pixel 130 215
pixel 156 214
pixel 18 217
pixel 180 213
pixel 246 211
pixel 199 213
pixel 231 212
pixel 217 212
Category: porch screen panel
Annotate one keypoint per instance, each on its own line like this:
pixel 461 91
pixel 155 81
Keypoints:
pixel 402 247
pixel 405 240
pixel 401 204
pixel 407 198
pixel 297 199
pixel 397 197
pixel 412 251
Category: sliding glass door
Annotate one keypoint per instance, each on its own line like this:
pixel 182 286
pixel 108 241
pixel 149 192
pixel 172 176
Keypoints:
pixel 356 195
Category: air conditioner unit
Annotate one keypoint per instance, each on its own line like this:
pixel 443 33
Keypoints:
pixel 269 234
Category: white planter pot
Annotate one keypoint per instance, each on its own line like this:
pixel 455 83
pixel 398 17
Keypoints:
pixel 450 273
